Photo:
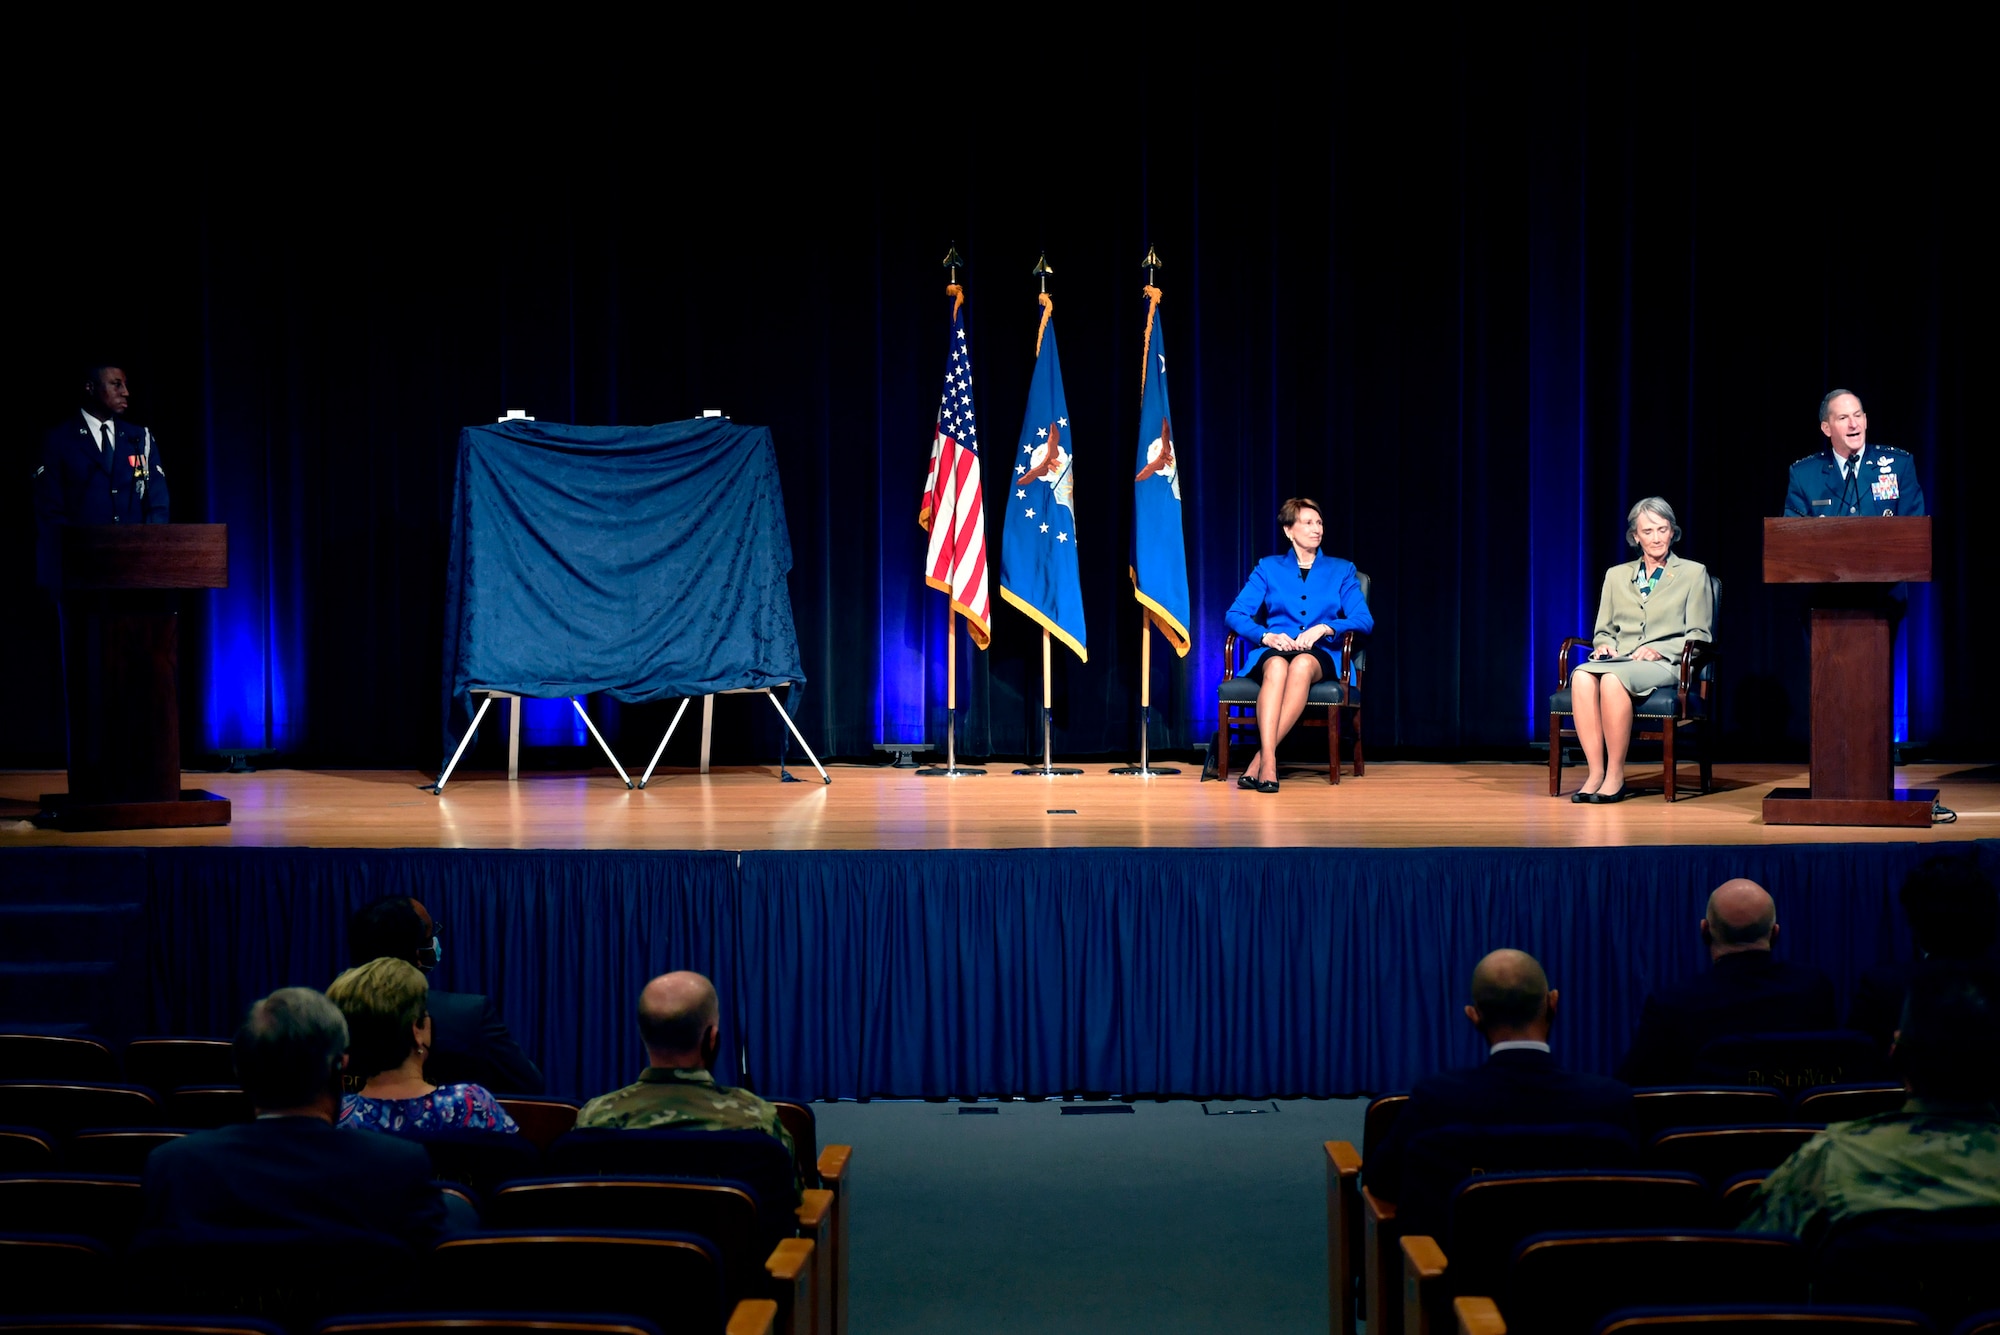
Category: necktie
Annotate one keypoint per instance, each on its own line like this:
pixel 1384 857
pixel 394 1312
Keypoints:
pixel 109 443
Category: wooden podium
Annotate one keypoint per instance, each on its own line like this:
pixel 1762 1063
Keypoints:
pixel 121 633
pixel 1851 560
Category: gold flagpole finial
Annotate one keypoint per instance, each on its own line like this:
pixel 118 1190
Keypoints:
pixel 953 260
pixel 1042 270
pixel 1150 263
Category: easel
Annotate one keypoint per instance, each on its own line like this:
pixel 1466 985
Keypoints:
pixel 514 736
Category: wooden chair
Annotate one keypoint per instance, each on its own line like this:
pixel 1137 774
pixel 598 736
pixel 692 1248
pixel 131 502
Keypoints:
pixel 1692 703
pixel 64 1107
pixel 1658 1108
pixel 1844 1103
pixel 1236 700
pixel 120 1149
pixel 164 1064
pixel 1793 1062
pixel 56 1057
pixel 1718 1153
pixel 543 1121
pixel 1361 1248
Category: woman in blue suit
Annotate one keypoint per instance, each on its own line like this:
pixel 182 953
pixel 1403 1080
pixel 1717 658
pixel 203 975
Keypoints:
pixel 1293 606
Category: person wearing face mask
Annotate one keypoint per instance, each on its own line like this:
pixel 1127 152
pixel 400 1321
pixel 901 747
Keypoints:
pixel 470 1043
pixel 680 1022
pixel 389 1038
pixel 1648 611
pixel 1850 477
pixel 1294 608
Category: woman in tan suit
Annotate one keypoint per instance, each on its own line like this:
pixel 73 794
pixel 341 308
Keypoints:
pixel 1649 610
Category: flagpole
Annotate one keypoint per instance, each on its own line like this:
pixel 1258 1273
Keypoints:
pixel 1144 769
pixel 951 770
pixel 1048 768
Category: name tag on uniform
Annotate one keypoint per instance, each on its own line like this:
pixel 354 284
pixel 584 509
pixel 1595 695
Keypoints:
pixel 1885 490
pixel 1822 502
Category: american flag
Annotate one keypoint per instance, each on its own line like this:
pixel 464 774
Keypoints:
pixel 954 512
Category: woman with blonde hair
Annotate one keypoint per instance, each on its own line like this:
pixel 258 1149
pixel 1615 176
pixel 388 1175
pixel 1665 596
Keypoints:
pixel 389 1035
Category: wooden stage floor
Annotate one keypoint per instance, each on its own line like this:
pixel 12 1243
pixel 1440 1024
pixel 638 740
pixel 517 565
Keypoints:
pixel 1397 805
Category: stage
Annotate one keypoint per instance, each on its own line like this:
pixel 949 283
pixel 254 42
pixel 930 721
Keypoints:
pixel 1395 805
pixel 891 935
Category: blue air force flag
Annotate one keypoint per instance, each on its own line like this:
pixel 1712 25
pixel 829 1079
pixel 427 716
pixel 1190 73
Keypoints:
pixel 1038 570
pixel 1159 555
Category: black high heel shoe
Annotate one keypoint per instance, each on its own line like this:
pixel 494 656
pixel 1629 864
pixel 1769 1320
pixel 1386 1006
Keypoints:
pixel 1606 799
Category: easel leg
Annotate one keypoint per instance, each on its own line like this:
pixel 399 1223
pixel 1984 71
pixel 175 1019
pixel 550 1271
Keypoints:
pixel 578 707
pixel 463 742
pixel 707 728
pixel 514 740
pixel 661 749
pixel 772 696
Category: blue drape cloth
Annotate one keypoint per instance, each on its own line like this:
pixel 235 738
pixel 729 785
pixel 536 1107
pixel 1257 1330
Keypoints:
pixel 643 562
pixel 867 974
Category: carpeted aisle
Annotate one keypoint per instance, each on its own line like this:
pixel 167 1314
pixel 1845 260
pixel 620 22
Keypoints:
pixel 1167 1218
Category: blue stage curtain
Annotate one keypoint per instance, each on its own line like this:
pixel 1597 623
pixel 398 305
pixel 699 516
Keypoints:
pixel 562 941
pixel 1245 972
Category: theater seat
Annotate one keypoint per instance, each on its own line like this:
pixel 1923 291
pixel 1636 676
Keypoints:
pixel 62 1107
pixel 1765 1319
pixel 103 1206
pixel 725 1213
pixel 481 1160
pixel 1793 1062
pixel 485 1323
pixel 1493 1214
pixel 1658 1107
pixel 1844 1103
pixel 116 1149
pixel 1945 1263
pixel 26 1149
pixel 139 1324
pixel 1564 1283
pixel 64 1057
pixel 1736 1196
pixel 165 1063
pixel 51 1272
pixel 671 1279
pixel 543 1121
pixel 205 1107
pixel 1718 1153
pixel 292 1279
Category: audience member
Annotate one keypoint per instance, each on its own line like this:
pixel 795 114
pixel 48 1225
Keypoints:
pixel 1513 1008
pixel 1941 1151
pixel 1746 990
pixel 469 1041
pixel 288 1175
pixel 1953 913
pixel 680 1023
pixel 389 1038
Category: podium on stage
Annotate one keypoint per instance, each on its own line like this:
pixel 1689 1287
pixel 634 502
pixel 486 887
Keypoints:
pixel 1850 561
pixel 117 586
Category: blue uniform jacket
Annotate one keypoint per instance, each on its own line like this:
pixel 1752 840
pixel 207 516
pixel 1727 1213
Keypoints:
pixel 79 483
pixel 1887 486
pixel 1276 599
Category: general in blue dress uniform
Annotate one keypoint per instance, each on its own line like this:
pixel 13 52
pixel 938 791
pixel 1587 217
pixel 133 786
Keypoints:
pixel 1850 476
pixel 97 469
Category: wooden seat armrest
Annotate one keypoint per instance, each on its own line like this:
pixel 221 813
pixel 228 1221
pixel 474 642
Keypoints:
pixel 1381 1286
pixel 791 1269
pixel 836 1172
pixel 1571 643
pixel 1343 1232
pixel 815 1211
pixel 833 1165
pixel 1229 656
pixel 753 1316
pixel 1476 1316
pixel 1424 1293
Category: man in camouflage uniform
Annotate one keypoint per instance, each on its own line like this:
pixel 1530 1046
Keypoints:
pixel 1941 1151
pixel 680 1022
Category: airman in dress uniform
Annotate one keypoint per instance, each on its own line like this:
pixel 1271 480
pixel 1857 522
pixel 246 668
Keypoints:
pixel 680 1021
pixel 1850 477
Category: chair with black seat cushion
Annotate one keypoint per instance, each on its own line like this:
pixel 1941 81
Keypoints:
pixel 1236 699
pixel 63 1107
pixel 481 1160
pixel 116 1149
pixel 1491 1215
pixel 1691 703
pixel 750 1157
pixel 1439 1159
pixel 1793 1063
pixel 485 1323
pixel 165 1063
pixel 1765 1319
pixel 289 1277
pixel 543 1121
pixel 1380 1116
pixel 1844 1103
pixel 53 1272
pixel 1565 1283
pixel 104 1206
pixel 671 1279
pixel 205 1107
pixel 1980 1323
pixel 1657 1108
pixel 1718 1153
pixel 803 1128
pixel 26 1149
pixel 1736 1196
pixel 1941 1262
pixel 146 1323
pixel 63 1057
pixel 725 1213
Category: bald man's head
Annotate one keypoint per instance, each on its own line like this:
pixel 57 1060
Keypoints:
pixel 678 1017
pixel 1511 997
pixel 1741 916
